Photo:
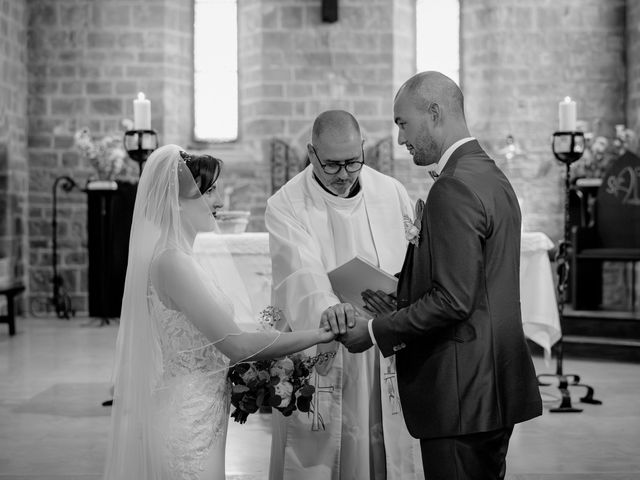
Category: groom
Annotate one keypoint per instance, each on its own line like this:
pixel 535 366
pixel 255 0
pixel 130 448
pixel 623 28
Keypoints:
pixel 464 370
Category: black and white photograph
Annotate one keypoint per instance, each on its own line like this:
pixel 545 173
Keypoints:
pixel 319 239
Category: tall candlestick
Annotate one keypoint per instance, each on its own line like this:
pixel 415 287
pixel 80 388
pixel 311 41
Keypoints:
pixel 141 113
pixel 567 115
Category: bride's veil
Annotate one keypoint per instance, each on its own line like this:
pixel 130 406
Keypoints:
pixel 166 187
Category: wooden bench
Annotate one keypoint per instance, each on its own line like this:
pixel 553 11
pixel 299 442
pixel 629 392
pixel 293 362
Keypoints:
pixel 10 293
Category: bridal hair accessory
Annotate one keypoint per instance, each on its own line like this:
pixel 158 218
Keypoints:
pixel 185 156
pixel 281 383
pixel 412 227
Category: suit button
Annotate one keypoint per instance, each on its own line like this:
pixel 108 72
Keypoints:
pixel 398 347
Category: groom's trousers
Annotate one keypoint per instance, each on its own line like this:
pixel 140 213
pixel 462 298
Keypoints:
pixel 478 456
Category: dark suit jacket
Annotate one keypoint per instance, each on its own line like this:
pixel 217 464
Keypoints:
pixel 462 359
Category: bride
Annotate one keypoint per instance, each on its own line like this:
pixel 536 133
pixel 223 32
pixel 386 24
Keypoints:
pixel 178 334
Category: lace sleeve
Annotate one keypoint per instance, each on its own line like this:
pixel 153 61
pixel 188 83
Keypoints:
pixel 177 276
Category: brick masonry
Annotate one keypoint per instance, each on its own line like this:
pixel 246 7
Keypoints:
pixel 84 61
pixel 13 136
pixel 519 59
pixel 633 65
pixel 87 60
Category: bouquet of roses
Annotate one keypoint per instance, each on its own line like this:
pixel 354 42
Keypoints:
pixel 281 383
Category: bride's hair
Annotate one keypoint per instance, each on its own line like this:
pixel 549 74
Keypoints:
pixel 205 167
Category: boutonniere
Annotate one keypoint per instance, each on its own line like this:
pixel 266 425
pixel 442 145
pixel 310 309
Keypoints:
pixel 412 228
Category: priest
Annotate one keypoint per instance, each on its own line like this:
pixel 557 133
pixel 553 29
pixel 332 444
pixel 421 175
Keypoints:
pixel 330 212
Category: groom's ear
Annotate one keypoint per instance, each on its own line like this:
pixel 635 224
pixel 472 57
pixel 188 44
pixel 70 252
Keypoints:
pixel 435 112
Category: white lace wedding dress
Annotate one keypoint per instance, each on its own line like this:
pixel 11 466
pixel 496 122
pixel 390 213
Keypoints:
pixel 192 400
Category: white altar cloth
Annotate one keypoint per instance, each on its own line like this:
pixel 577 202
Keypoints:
pixel 540 318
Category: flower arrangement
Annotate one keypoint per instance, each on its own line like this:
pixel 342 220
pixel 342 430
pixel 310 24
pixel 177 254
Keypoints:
pixel 601 151
pixel 107 155
pixel 281 383
pixel 412 227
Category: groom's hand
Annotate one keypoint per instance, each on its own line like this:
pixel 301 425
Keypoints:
pixel 357 338
pixel 338 318
pixel 378 302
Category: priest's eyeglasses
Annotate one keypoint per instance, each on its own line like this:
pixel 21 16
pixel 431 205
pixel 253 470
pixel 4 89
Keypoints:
pixel 333 168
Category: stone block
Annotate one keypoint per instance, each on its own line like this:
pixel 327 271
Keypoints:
pixel 298 90
pixel 106 106
pixel 39 228
pixel 150 17
pixel 369 108
pixel 75 258
pixel 62 71
pixel 118 14
pixel 264 127
pixel 39 141
pixel 151 57
pixel 73 87
pixel 42 13
pixel 99 88
pixel 63 143
pixel 291 17
pixel 70 107
pixel 270 19
pixel 36 106
pixel 40 160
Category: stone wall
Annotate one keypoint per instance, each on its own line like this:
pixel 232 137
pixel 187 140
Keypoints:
pixel 293 66
pixel 87 61
pixel 13 136
pixel 519 59
pixel 633 65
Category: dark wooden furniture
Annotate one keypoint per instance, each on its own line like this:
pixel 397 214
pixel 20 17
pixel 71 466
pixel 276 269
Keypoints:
pixel 10 294
pixel 614 235
pixel 110 213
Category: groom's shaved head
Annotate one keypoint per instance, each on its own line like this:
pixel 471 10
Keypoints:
pixel 433 87
pixel 334 124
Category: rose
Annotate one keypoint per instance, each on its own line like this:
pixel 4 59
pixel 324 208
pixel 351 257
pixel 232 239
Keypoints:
pixel 284 390
pixel 250 375
pixel 263 376
pixel 282 368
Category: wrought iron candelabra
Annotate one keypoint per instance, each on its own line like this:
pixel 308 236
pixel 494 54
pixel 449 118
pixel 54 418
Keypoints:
pixel 139 144
pixel 567 147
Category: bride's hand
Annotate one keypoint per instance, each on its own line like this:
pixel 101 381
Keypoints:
pixel 325 335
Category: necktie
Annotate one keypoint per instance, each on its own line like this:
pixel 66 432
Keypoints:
pixel 434 175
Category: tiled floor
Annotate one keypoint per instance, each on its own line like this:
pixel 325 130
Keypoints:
pixel 55 373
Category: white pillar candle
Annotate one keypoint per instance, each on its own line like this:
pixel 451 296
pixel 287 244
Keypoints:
pixel 567 115
pixel 141 113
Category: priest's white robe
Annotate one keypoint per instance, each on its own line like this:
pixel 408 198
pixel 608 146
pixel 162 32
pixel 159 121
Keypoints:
pixel 310 233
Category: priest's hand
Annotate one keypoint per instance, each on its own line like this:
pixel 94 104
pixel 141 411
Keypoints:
pixel 338 318
pixel 357 338
pixel 379 302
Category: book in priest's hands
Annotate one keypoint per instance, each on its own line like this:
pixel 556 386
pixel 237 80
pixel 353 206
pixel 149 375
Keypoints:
pixel 352 278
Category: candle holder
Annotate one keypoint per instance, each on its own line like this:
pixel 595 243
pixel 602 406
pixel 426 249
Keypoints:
pixel 139 144
pixel 60 299
pixel 567 147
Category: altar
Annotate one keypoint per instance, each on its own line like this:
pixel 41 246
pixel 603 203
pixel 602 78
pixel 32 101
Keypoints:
pixel 540 317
